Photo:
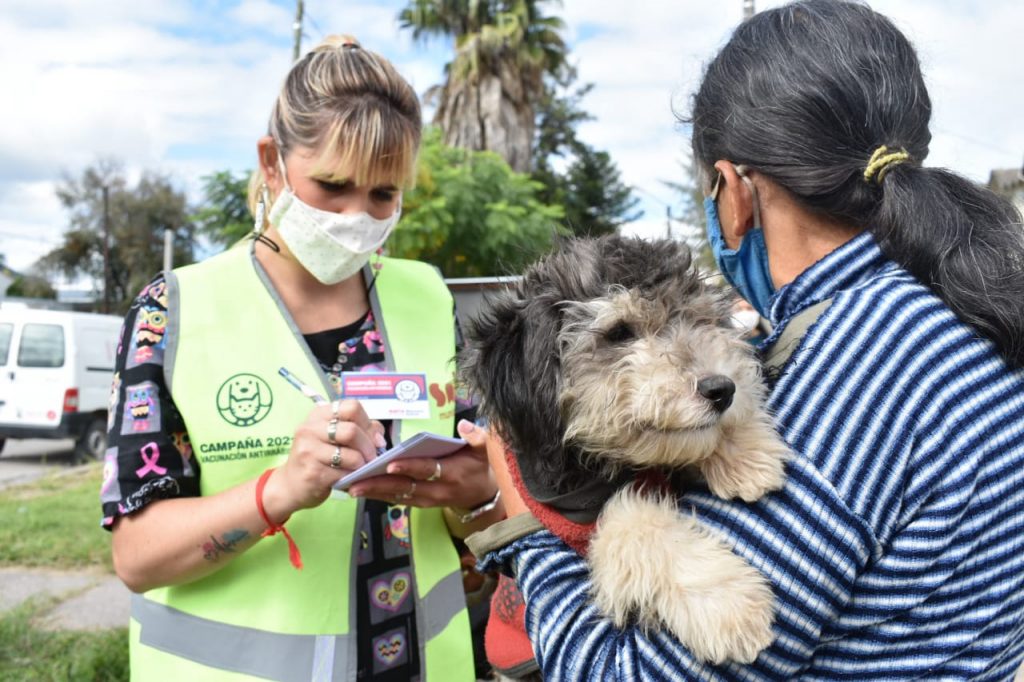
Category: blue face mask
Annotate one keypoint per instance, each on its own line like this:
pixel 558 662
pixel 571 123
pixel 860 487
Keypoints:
pixel 746 268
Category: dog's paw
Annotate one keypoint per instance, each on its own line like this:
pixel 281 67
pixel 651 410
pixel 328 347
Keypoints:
pixel 747 465
pixel 629 555
pixel 728 621
pixel 655 567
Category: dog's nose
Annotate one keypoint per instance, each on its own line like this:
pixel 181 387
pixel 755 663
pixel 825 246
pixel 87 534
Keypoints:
pixel 719 390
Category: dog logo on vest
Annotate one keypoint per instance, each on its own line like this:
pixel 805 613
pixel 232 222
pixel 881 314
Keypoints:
pixel 244 400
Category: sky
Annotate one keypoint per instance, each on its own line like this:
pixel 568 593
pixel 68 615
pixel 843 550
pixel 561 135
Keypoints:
pixel 185 87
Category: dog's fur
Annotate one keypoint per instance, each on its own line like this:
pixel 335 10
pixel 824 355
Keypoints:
pixel 590 365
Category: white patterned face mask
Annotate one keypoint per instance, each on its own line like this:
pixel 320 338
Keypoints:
pixel 331 246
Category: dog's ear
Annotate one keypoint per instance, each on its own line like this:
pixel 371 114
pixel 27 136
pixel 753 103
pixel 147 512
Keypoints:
pixel 510 361
pixel 489 337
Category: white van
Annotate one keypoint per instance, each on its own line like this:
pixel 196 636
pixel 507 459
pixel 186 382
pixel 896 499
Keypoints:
pixel 56 368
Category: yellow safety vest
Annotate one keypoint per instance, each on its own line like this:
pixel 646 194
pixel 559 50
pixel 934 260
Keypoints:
pixel 258 617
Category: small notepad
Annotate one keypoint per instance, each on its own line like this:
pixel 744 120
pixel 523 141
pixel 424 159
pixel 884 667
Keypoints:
pixel 423 444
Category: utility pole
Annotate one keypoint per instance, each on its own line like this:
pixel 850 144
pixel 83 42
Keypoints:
pixel 748 9
pixel 168 249
pixel 297 27
pixel 668 222
pixel 106 249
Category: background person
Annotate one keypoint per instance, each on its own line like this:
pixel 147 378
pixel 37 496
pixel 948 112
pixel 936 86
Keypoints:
pixel 895 548
pixel 749 321
pixel 210 449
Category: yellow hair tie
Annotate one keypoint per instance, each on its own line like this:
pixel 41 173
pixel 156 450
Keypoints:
pixel 881 161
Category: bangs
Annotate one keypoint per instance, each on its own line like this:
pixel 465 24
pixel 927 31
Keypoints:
pixel 369 148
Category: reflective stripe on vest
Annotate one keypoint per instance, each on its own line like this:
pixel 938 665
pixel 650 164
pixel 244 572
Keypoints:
pixel 273 655
pixel 270 655
pixel 226 321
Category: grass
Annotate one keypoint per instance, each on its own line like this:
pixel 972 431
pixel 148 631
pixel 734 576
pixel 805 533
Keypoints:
pixel 30 654
pixel 54 522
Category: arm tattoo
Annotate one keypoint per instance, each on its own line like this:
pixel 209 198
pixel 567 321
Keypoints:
pixel 213 549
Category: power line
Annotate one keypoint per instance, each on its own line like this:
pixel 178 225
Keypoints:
pixel 661 201
pixel 316 26
pixel 14 236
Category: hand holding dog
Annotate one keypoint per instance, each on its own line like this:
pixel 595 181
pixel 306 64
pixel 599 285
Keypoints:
pixel 465 479
pixel 496 448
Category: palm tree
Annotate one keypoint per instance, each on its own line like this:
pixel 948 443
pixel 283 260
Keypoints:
pixel 503 50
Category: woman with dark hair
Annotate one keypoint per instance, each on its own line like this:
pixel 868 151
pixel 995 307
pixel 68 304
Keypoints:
pixel 896 548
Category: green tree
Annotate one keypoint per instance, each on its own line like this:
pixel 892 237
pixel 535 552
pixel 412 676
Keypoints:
pixel 596 200
pixel 559 113
pixel 590 187
pixel 31 286
pixel 137 218
pixel 224 216
pixel 503 51
pixel 471 215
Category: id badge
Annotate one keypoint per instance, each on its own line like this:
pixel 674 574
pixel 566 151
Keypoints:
pixel 388 395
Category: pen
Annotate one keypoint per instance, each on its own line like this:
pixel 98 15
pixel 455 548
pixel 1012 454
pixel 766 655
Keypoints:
pixel 303 388
pixel 310 393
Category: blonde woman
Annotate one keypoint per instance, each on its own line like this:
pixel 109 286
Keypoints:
pixel 218 484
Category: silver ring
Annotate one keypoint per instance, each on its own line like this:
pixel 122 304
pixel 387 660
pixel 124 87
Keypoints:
pixel 335 409
pixel 412 491
pixel 437 471
pixel 336 458
pixel 332 430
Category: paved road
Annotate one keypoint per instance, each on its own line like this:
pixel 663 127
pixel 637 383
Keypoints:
pixel 24 460
pixel 89 599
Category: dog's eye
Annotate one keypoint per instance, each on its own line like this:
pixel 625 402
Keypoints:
pixel 620 333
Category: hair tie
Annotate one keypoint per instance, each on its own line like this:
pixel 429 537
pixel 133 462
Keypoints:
pixel 881 161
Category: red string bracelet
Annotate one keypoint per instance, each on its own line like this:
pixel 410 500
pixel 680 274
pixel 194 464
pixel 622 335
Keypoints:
pixel 273 528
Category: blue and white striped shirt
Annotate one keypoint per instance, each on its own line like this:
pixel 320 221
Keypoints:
pixel 896 548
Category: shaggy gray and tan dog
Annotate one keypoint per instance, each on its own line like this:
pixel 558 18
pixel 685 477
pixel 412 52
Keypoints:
pixel 610 360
